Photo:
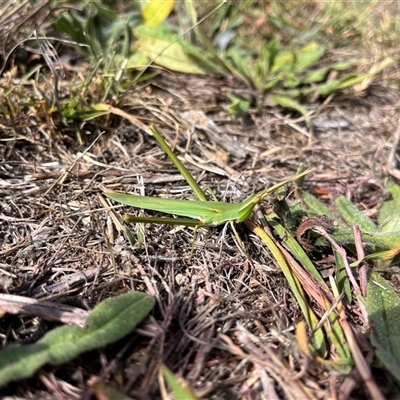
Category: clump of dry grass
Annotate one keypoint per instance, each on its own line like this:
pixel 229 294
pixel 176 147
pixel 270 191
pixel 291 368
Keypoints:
pixel 224 322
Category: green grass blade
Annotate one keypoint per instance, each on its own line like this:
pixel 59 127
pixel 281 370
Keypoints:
pixel 312 320
pixel 292 244
pixel 334 332
pixel 288 102
pixel 342 279
pixel 179 390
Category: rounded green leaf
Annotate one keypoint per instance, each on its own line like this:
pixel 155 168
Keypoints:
pixel 110 321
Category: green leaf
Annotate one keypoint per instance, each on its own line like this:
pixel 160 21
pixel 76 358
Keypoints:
pixel 239 106
pixel 156 12
pixel 386 255
pixel 266 61
pixel 389 212
pixel 270 84
pixel 291 80
pixel 110 321
pixel 307 56
pixel 288 102
pixel 67 23
pixel 383 307
pixel 170 52
pixel 341 235
pixel 383 240
pixel 296 60
pixel 352 215
pixel 316 76
pixel 283 62
pixel 94 111
pixel 340 84
pixel 390 240
pixel 240 64
pixel 317 208
pixel 137 60
pixel 352 79
pixel 180 391
pixel 272 51
pixel 320 75
pixel 102 391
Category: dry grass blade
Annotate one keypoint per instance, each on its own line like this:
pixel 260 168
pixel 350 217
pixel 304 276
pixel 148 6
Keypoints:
pixel 262 356
pixel 49 311
pixel 13 16
pixel 325 300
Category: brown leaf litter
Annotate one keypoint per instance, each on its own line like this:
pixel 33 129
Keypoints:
pixel 223 322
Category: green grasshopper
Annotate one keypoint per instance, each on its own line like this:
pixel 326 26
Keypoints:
pixel 199 213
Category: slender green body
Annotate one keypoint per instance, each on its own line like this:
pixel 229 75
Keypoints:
pixel 205 213
pixel 200 212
